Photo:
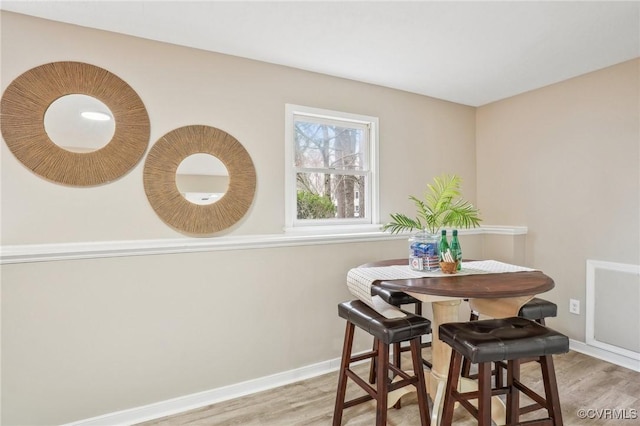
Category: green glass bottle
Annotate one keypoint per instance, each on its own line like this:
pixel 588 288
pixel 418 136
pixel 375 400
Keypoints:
pixel 456 250
pixel 443 247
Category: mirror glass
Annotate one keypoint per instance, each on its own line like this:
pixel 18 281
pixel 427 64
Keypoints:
pixel 202 178
pixel 79 123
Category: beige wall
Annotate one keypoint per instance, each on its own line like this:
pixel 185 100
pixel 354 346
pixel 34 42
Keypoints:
pixel 82 338
pixel 564 160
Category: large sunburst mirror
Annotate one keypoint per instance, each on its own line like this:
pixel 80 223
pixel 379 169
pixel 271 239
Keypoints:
pixel 53 116
pixel 199 179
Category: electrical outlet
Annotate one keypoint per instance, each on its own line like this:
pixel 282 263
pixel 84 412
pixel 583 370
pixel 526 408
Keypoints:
pixel 574 306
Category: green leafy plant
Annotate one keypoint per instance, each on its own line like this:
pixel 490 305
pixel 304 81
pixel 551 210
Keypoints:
pixel 314 206
pixel 442 206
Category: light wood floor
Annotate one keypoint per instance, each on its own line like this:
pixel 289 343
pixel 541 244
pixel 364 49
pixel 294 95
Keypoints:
pixel 585 383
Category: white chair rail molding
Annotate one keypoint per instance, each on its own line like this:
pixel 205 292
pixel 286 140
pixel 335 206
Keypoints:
pixel 27 253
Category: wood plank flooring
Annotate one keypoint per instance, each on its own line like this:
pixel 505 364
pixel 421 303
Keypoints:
pixel 585 383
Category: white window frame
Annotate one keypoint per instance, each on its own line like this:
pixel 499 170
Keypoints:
pixel 370 221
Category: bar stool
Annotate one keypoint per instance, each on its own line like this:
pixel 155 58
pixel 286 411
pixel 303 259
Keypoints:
pixel 386 331
pixel 505 339
pixel 538 309
pixel 535 309
pixel 397 299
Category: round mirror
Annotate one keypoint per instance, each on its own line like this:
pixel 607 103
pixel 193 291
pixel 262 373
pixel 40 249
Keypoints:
pixel 163 181
pixel 202 178
pixel 33 96
pixel 79 123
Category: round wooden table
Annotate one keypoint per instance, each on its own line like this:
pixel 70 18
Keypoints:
pixel 495 295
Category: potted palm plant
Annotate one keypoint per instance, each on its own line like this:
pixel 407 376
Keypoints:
pixel 442 206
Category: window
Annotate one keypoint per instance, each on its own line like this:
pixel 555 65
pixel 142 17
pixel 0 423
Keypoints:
pixel 331 161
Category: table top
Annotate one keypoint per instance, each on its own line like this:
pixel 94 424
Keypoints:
pixel 480 286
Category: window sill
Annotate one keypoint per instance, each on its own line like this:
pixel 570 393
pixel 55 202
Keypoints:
pixel 333 230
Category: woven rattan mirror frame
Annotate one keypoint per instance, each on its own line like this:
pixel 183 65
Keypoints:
pixel 160 186
pixel 28 97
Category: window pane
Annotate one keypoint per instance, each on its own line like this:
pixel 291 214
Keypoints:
pixel 328 195
pixel 331 168
pixel 329 146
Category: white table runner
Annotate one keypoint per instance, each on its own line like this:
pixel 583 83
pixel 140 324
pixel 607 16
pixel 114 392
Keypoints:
pixel 359 280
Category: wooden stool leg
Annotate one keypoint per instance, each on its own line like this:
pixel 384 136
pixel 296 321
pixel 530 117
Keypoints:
pixel 397 361
pixel 397 351
pixel 466 368
pixel 423 402
pixel 374 360
pixel 551 389
pixel 342 377
pixel 484 389
pixel 452 386
pixel 513 396
pixel 418 311
pixel 499 374
pixel 382 383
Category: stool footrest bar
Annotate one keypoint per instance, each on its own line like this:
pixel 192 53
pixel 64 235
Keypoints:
pixel 357 401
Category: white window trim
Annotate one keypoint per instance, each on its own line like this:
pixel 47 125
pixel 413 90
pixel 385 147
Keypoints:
pixel 332 225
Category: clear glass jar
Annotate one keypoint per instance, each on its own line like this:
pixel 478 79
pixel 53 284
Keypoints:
pixel 423 252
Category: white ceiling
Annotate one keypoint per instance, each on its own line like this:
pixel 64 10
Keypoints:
pixel 467 52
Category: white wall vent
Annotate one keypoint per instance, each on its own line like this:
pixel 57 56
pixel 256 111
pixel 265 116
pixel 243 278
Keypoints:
pixel 613 307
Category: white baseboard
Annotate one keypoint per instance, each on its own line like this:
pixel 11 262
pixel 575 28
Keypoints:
pixel 614 358
pixel 213 396
pixel 202 399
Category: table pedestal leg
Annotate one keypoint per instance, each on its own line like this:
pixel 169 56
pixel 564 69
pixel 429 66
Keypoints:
pixel 499 308
pixel 443 312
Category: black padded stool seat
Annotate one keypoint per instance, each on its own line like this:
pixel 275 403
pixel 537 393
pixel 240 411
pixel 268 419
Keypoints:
pixel 502 339
pixel 495 340
pixel 535 309
pixel 538 309
pixel 386 331
pixel 395 298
